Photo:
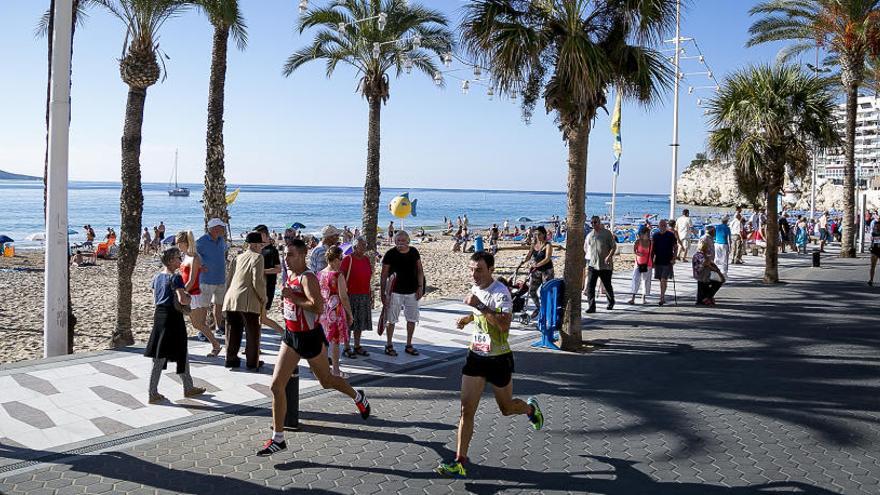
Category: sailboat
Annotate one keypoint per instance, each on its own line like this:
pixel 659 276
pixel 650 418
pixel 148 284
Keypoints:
pixel 177 190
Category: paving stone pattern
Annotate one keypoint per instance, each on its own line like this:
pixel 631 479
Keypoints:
pixel 773 391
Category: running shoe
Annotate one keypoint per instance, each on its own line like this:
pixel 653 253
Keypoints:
pixel 271 447
pixel 452 468
pixel 363 404
pixel 537 417
pixel 201 337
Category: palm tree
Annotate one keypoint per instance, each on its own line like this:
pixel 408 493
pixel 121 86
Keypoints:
pixel 399 35
pixel 226 18
pixel 45 28
pixel 850 31
pixel 571 52
pixel 765 121
pixel 139 68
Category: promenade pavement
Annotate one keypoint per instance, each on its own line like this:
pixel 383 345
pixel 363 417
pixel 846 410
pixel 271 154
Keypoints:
pixel 773 390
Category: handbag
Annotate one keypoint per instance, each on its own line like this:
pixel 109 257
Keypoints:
pixel 715 277
pixel 643 267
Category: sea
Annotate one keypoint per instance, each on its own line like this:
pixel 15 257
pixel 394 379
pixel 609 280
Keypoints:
pixel 97 204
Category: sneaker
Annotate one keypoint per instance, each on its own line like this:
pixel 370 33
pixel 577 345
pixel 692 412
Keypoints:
pixel 201 337
pixel 156 398
pixel 453 468
pixel 363 405
pixel 271 447
pixel 591 309
pixel 220 333
pixel 194 392
pixel 537 417
pixel 610 306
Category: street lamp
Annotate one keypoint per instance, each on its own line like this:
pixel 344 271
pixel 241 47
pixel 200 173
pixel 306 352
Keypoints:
pixel 465 86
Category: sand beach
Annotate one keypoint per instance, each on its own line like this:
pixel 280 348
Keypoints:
pixel 93 290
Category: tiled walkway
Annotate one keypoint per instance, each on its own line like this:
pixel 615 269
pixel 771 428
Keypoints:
pixel 86 399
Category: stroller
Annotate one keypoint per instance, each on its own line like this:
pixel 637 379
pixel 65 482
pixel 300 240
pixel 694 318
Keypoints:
pixel 519 293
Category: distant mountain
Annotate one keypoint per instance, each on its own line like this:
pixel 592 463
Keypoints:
pixel 10 176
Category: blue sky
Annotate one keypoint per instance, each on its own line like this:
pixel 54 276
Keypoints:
pixel 310 130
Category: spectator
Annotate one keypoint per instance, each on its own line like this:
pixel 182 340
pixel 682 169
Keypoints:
pixel 665 250
pixel 212 250
pixel 405 263
pixel 318 256
pixel 358 270
pixel 600 247
pixel 245 303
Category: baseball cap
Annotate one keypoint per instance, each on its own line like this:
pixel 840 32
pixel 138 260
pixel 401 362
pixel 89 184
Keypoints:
pixel 215 222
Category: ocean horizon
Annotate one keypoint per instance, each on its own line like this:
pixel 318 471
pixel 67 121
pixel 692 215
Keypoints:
pixel 278 206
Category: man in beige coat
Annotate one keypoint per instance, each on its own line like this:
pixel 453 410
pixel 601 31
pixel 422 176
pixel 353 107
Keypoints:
pixel 244 303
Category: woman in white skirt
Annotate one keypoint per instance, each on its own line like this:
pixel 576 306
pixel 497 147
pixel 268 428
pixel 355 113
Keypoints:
pixel 642 249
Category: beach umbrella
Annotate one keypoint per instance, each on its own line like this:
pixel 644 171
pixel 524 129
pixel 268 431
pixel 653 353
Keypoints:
pixel 5 238
pixel 37 236
pixel 297 226
pixel 523 219
pixel 72 232
pixel 169 240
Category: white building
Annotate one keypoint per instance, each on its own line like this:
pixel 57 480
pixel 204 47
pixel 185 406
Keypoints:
pixel 830 163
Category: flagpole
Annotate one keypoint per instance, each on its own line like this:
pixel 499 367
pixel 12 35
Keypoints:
pixel 55 338
pixel 613 198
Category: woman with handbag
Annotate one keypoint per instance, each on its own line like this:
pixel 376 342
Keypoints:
pixel 642 249
pixel 168 339
pixel 708 275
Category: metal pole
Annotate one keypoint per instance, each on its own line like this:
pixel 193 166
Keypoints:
pixel 55 275
pixel 673 188
pixel 613 198
pixel 815 157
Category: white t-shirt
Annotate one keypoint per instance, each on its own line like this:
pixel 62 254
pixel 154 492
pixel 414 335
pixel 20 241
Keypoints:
pixel 488 340
pixel 736 225
pixel 684 225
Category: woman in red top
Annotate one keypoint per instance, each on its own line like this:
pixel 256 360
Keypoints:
pixel 190 270
pixel 358 271
pixel 643 250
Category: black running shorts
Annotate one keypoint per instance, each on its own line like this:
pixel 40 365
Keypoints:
pixel 307 344
pixel 497 370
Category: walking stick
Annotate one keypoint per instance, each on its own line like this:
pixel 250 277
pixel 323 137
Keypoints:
pixel 674 292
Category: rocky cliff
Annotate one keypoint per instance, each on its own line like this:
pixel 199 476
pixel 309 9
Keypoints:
pixel 710 183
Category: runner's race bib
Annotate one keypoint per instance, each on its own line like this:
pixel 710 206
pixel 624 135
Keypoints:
pixel 481 343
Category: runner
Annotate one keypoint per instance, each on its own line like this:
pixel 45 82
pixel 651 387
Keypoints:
pixel 303 339
pixel 489 359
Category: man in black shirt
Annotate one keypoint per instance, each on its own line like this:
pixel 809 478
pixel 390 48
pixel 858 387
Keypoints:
pixel 272 263
pixel 665 250
pixel 405 263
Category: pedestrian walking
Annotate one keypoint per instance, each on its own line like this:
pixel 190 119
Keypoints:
pixel 540 260
pixel 600 247
pixel 737 237
pixel 212 252
pixel 191 271
pixel 684 226
pixel 665 251
pixel 245 303
pixel 303 339
pixel 489 359
pixel 722 244
pixel 168 340
pixel 405 263
pixel 358 270
pixel 643 249
pixel 336 317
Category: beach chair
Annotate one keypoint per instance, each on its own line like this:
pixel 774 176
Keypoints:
pixel 103 249
pixel 550 314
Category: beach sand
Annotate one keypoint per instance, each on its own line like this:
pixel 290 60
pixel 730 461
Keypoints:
pixel 93 290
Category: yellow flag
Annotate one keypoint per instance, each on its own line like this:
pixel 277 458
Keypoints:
pixel 230 198
pixel 615 127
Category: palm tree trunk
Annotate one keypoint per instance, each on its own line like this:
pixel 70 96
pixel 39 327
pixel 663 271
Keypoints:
pixel 214 195
pixel 771 252
pixel 371 186
pixel 847 246
pixel 131 207
pixel 578 142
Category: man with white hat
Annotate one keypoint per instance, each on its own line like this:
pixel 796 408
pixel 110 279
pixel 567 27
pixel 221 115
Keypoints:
pixel 318 256
pixel 212 282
